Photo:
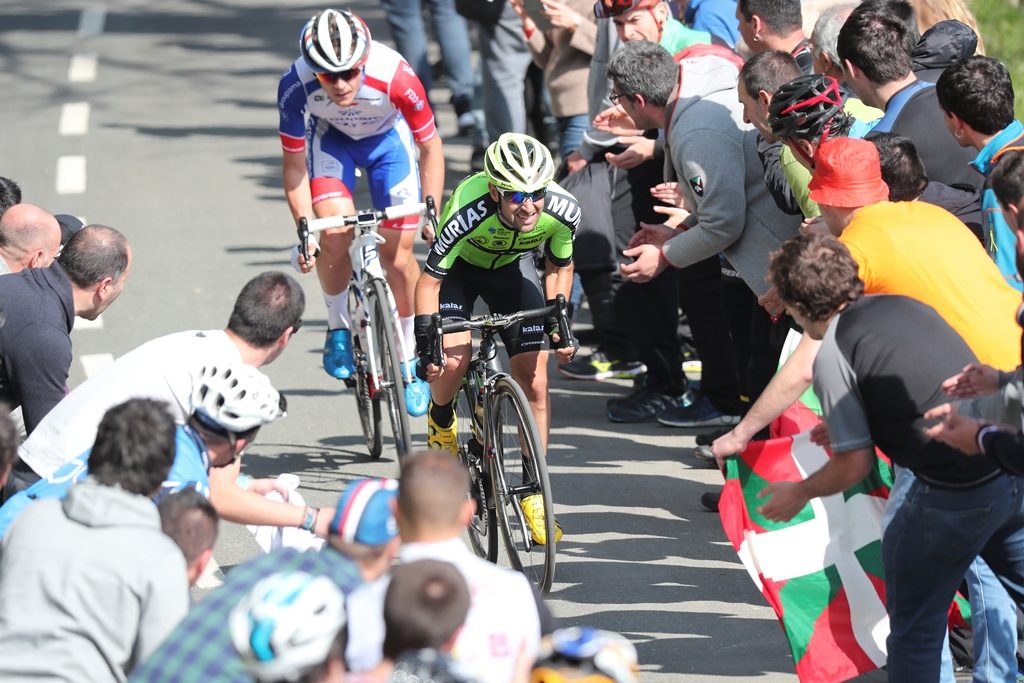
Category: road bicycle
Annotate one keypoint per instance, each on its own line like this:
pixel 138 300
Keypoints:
pixel 499 443
pixel 378 345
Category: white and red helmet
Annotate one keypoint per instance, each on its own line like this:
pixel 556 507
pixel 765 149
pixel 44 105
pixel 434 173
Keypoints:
pixel 335 41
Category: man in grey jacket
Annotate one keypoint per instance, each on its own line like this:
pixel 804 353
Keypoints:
pixel 90 585
pixel 713 156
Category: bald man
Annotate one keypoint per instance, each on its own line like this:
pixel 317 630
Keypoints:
pixel 29 238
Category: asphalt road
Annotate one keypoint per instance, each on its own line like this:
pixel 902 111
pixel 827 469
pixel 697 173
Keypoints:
pixel 179 151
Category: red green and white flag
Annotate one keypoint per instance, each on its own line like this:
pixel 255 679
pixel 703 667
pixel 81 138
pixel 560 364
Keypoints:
pixel 821 571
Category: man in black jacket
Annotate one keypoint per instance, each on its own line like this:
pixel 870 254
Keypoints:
pixel 40 305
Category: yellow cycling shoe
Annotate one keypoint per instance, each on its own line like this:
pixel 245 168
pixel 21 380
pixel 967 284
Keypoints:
pixel 533 510
pixel 442 438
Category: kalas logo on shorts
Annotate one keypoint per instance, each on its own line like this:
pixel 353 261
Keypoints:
pixel 532 329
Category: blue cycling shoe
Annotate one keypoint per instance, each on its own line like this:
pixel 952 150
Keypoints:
pixel 338 359
pixel 417 392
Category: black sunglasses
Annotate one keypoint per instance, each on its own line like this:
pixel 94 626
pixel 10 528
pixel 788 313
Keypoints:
pixel 518 196
pixel 615 97
pixel 347 75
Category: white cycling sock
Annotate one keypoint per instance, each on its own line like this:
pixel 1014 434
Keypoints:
pixel 337 310
pixel 409 337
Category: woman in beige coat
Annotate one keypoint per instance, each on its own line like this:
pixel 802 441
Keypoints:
pixel 561 41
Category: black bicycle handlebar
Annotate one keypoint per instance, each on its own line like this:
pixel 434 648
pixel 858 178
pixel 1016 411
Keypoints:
pixel 496 321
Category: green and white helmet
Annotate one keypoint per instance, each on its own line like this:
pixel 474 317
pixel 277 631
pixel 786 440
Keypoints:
pixel 517 162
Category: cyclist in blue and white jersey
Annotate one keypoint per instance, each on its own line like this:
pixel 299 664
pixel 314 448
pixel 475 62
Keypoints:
pixel 350 102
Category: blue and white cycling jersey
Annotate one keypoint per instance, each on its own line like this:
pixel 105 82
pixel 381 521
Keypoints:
pixel 190 470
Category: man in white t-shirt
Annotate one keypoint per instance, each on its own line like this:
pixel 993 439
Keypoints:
pixel 506 617
pixel 267 312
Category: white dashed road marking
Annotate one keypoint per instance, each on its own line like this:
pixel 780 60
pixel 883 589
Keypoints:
pixel 74 118
pixel 71 175
pixel 82 68
pixel 83 324
pixel 210 578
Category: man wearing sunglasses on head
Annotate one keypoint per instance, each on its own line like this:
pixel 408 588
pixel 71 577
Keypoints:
pixel 347 103
pixel 229 405
pixel 486 238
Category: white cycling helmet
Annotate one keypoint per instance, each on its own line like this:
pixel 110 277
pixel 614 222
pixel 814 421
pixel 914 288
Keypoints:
pixel 235 397
pixel 286 625
pixel 335 41
pixel 517 162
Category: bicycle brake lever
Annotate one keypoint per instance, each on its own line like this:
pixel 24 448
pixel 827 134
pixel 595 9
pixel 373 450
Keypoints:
pixel 303 229
pixel 431 218
pixel 436 353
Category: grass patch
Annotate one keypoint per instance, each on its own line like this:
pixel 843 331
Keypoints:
pixel 1002 27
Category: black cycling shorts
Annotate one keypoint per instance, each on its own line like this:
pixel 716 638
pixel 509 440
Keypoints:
pixel 515 287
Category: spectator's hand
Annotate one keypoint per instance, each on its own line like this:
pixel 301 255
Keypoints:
pixel 649 263
pixel 562 16
pixel 616 121
pixel 954 429
pixel 655 235
pixel 772 302
pixel 674 216
pixel 323 522
pixel 819 435
pixel 528 25
pixel 787 499
pixel 669 193
pixel 640 149
pixel 727 445
pixel 574 162
pixel 815 226
pixel 266 485
pixel 976 379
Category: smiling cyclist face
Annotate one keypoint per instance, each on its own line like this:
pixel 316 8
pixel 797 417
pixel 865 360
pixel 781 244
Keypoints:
pixel 519 210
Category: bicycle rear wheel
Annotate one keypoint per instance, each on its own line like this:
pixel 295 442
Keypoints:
pixel 391 382
pixel 483 528
pixel 369 407
pixel 520 471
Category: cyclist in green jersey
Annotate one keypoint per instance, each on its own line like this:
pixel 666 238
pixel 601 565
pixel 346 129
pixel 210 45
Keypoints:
pixel 485 240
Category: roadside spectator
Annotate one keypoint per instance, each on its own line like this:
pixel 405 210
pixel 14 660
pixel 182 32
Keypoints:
pixel 931 13
pixel 876 48
pixel 425 607
pixel 976 96
pixel 405 18
pixel 881 366
pixel 504 60
pixel 29 238
pixel 585 653
pixel 40 305
pixel 10 194
pixel 360 547
pixel 774 25
pixel 505 616
pixel 191 522
pixel 90 585
pixel 903 171
pixel 267 313
pixel 943 45
pixel 291 627
pixel 716 162
pixel 563 51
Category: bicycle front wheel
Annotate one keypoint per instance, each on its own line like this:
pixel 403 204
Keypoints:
pixel 391 382
pixel 483 528
pixel 520 473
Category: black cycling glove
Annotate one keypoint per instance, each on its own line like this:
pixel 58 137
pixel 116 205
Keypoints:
pixel 423 331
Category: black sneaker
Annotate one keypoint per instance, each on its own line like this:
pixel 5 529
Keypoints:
pixel 597 366
pixel 640 406
pixel 701 413
pixel 709 499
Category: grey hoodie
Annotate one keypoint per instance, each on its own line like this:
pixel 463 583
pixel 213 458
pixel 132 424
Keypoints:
pixel 714 157
pixel 89 586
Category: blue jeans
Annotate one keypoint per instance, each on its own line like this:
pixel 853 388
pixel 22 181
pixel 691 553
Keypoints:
pixel 993 613
pixel 930 543
pixel 570 132
pixel 405 17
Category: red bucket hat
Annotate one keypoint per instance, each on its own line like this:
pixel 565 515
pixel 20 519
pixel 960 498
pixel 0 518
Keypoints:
pixel 847 174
